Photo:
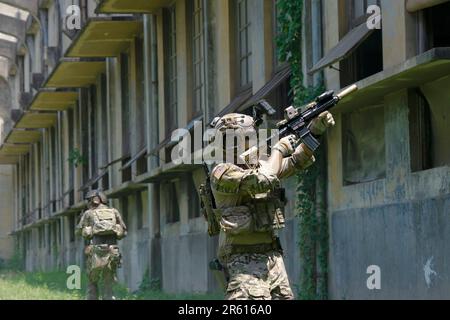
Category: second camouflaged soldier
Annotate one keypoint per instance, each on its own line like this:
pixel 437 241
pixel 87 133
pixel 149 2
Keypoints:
pixel 102 226
pixel 249 208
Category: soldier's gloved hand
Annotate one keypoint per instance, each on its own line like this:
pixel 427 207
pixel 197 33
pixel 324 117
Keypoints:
pixel 286 145
pixel 320 124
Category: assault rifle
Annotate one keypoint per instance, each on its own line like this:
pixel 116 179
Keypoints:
pixel 297 122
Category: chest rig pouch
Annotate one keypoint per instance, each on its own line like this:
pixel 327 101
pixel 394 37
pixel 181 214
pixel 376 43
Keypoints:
pixel 104 222
pixel 262 213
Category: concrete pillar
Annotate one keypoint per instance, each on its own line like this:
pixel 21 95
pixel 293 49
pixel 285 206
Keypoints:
pixel 331 38
pixel 261 37
pixel 397 145
pixel 224 55
pixel 398 26
pixel 6 212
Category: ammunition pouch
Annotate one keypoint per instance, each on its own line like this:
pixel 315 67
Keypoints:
pixel 264 213
pixel 119 231
pixel 103 256
pixel 87 232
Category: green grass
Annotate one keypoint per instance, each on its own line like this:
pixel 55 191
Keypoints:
pixel 52 286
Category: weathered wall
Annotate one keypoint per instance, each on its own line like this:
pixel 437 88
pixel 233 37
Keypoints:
pixel 185 260
pixel 397 223
pixel 408 241
pixel 6 216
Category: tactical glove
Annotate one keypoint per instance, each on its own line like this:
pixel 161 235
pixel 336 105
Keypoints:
pixel 286 145
pixel 320 124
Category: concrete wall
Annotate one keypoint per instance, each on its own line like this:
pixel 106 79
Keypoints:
pixel 6 212
pixel 399 223
pixel 408 241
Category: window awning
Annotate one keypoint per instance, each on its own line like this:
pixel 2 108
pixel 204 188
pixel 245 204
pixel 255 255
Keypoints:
pixel 125 189
pixel 429 66
pixel 267 89
pixel 168 171
pixel 35 120
pixel 8 49
pixel 135 6
pixel 416 5
pixel 104 37
pixel 27 5
pixel 344 48
pixel 5 160
pixel 94 180
pixel 236 103
pixel 12 26
pixel 23 136
pixel 75 73
pixel 134 159
pixel 14 150
pixel 53 100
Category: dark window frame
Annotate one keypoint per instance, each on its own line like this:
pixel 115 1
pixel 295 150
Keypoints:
pixel 355 67
pixel 170 67
pixel 242 29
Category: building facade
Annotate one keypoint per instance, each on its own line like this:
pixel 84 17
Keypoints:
pixel 91 92
pixel 95 107
pixel 388 155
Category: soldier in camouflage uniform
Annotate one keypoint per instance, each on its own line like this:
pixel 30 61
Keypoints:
pixel 249 208
pixel 102 226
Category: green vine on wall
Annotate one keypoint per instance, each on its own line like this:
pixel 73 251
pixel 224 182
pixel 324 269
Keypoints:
pixel 76 158
pixel 313 223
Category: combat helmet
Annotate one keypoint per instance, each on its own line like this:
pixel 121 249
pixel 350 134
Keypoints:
pixel 97 193
pixel 237 127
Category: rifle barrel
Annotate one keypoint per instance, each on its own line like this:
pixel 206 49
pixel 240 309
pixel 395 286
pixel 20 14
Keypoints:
pixel 347 91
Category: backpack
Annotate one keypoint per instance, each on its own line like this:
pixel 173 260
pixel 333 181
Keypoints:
pixel 105 222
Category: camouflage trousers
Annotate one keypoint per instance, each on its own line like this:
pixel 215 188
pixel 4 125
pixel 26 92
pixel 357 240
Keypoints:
pixel 108 277
pixel 102 262
pixel 257 277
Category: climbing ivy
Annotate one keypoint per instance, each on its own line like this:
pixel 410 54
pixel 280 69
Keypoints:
pixel 310 208
pixel 76 158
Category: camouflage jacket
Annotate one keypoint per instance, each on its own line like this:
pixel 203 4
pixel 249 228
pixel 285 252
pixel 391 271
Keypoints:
pixel 247 201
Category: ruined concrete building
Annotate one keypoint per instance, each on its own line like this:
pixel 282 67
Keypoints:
pixel 90 92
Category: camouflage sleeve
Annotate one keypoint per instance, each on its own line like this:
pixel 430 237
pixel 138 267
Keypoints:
pixel 228 178
pixel 299 160
pixel 83 223
pixel 120 220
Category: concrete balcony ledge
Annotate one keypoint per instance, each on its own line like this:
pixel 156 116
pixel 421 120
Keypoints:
pixel 431 65
pixel 53 100
pixel 27 5
pixel 135 6
pixel 75 73
pixel 104 37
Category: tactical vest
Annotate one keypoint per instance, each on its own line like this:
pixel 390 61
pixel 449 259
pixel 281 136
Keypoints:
pixel 263 213
pixel 105 223
pixel 245 221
